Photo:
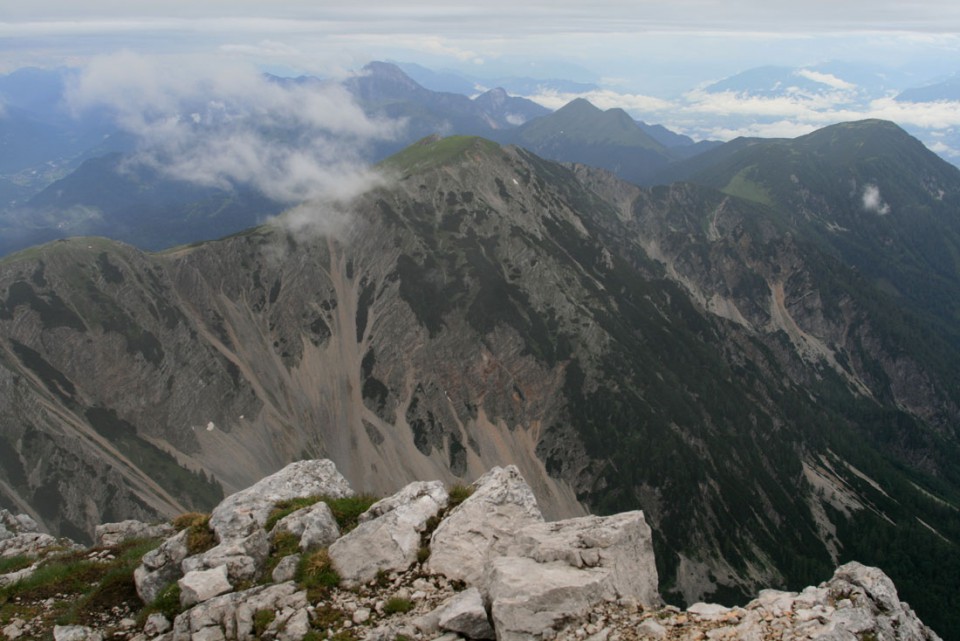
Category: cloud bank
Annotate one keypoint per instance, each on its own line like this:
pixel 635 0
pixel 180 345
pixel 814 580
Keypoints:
pixel 216 122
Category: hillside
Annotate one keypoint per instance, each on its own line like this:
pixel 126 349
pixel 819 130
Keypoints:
pixel 675 349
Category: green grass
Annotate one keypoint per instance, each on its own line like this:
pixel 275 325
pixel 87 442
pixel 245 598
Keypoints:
pixel 742 187
pixel 287 507
pixel 431 152
pixel 347 510
pixel 316 573
pixel 14 563
pixel 458 494
pixel 200 537
pixel 397 605
pixel 262 620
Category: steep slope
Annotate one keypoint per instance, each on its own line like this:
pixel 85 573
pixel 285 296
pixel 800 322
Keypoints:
pixel 675 349
pixel 866 192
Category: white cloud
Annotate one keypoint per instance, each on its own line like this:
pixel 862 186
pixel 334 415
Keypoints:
pixel 215 122
pixel 873 202
pixel 826 79
pixel 604 99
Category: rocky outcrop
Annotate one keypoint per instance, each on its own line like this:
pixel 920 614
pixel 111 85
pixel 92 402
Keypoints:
pixel 111 534
pixel 589 578
pixel 388 536
pixel 500 505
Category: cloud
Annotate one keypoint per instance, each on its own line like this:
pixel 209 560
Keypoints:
pixel 604 99
pixel 216 122
pixel 873 202
pixel 826 79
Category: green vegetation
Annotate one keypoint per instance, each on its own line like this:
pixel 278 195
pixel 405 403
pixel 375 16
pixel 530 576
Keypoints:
pixel 433 152
pixel 14 563
pixel 262 620
pixel 458 494
pixel 287 507
pixel 200 537
pixel 347 510
pixel 316 574
pixel 82 588
pixel 397 605
pixel 167 603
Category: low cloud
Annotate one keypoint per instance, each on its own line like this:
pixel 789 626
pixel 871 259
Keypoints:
pixel 826 79
pixel 216 122
pixel 872 201
pixel 604 99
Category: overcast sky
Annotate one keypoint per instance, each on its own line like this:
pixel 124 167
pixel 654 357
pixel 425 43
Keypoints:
pixel 651 57
pixel 662 45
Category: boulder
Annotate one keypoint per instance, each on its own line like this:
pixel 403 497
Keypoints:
pixel 465 615
pixel 526 597
pixel 13 524
pixel 161 567
pixel 241 513
pixel 501 504
pixel 111 534
pixel 75 633
pixel 202 585
pixel 286 569
pixel 243 557
pixel 230 617
pixel 32 544
pixel 315 526
pixel 389 537
pixel 620 546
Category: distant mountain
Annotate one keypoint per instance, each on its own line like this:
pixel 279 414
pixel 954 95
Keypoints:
pixel 111 196
pixel 948 89
pixel 445 81
pixel 771 407
pixel 580 132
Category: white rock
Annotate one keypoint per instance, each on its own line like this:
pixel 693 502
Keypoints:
pixel 501 504
pixel 75 633
pixel 391 539
pixel 465 614
pixel 620 546
pixel 161 567
pixel 244 557
pixel 315 526
pixel 651 628
pixel 708 610
pixel 241 513
pixel 202 585
pixel 14 630
pixel 361 615
pixel 286 569
pixel 156 625
pixel 231 615
pixel 111 534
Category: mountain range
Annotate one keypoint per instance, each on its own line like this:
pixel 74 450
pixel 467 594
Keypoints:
pixel 740 358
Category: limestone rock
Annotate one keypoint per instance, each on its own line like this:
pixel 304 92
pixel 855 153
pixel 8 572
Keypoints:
pixel 13 524
pixel 390 540
pixel 620 546
pixel 31 544
pixel 465 615
pixel 501 504
pixel 161 567
pixel 156 625
pixel 110 534
pixel 231 616
pixel 75 633
pixel 202 585
pixel 241 513
pixel 528 597
pixel 286 569
pixel 243 557
pixel 315 526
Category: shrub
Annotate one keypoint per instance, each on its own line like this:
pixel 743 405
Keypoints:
pixel 397 605
pixel 316 572
pixel 423 554
pixel 458 494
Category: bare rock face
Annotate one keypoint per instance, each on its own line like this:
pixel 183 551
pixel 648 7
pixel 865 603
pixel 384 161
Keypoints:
pixel 388 537
pixel 501 504
pixel 161 567
pixel 465 614
pixel 243 512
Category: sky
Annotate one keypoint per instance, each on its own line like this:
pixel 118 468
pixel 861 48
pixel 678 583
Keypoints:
pixel 653 57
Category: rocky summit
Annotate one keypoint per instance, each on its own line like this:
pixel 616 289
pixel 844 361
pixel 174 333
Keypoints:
pixel 428 562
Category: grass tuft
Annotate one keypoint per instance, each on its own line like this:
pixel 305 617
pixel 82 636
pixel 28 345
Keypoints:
pixel 347 510
pixel 316 573
pixel 14 563
pixel 287 507
pixel 261 621
pixel 458 494
pixel 397 605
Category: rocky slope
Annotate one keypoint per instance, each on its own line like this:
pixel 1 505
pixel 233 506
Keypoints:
pixel 677 350
pixel 476 563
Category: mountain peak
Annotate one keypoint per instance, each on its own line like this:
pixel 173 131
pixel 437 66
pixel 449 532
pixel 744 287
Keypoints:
pixel 434 151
